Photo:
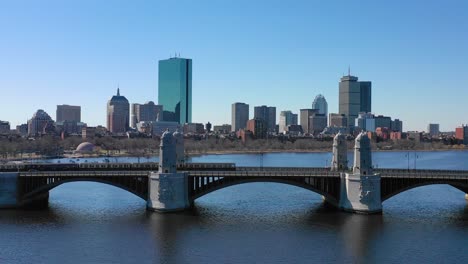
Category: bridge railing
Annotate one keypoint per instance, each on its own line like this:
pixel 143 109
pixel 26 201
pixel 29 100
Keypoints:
pixel 253 173
pixel 84 174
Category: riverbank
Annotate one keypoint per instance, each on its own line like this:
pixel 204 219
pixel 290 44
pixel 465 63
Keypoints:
pixel 214 152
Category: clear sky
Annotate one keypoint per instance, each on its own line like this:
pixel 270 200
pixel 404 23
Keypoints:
pixel 278 53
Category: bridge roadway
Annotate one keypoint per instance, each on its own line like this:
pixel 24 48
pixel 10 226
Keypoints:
pixel 319 180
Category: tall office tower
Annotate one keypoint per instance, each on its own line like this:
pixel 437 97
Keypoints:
pixel 354 97
pixel 433 129
pixel 68 113
pixel 320 103
pixel 305 115
pixel 239 116
pixel 118 114
pixel 268 115
pixel 146 112
pixel 286 119
pixel 175 89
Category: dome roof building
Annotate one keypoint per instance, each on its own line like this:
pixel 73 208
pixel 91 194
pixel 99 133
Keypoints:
pixel 85 147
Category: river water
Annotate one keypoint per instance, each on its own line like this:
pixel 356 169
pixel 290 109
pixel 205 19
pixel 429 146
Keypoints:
pixel 250 223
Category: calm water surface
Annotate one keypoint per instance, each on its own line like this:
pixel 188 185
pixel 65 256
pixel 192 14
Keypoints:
pixel 250 223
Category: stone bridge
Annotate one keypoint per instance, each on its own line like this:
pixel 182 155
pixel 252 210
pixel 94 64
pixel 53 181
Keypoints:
pixel 176 185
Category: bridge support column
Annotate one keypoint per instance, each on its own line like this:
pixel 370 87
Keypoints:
pixel 360 193
pixel 360 190
pixel 9 190
pixel 168 192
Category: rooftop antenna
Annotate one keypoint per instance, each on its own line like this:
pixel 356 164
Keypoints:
pixel 118 89
pixel 349 70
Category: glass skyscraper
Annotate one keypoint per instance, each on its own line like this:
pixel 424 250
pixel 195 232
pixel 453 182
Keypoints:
pixel 175 89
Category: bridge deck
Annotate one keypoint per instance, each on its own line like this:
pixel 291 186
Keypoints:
pixel 260 172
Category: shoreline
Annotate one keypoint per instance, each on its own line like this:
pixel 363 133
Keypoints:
pixel 220 152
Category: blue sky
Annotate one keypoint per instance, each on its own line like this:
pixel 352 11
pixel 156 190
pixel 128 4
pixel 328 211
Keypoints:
pixel 278 53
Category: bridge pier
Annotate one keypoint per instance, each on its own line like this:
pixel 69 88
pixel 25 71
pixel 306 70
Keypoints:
pixel 10 194
pixel 9 190
pixel 168 189
pixel 168 192
pixel 360 190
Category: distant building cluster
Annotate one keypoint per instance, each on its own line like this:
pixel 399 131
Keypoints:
pixel 173 112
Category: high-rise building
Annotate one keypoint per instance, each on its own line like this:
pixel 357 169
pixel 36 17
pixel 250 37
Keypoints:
pixel 146 112
pixel 68 113
pixel 118 114
pixel 268 115
pixel 320 103
pixel 366 122
pixel 433 129
pixel 257 127
pixel 305 115
pixel 239 116
pixel 4 127
pixel 40 123
pixel 383 121
pixel 354 97
pixel 337 120
pixel 317 123
pixel 175 89
pixel 286 119
pixel 397 125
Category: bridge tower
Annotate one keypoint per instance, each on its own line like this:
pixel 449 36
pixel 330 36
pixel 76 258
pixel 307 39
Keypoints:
pixel 167 188
pixel 360 190
pixel 180 148
pixel 340 153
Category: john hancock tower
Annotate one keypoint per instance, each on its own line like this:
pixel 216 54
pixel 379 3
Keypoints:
pixel 175 89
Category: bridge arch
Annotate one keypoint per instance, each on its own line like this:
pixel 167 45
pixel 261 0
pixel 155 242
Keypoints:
pixel 138 187
pixel 328 189
pixel 389 194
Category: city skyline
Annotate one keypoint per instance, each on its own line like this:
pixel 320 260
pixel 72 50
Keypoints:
pixel 404 58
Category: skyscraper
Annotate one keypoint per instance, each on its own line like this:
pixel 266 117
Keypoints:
pixel 305 115
pixel 68 113
pixel 320 103
pixel 118 114
pixel 433 129
pixel 268 115
pixel 286 119
pixel 240 116
pixel 354 97
pixel 175 89
pixel 146 112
